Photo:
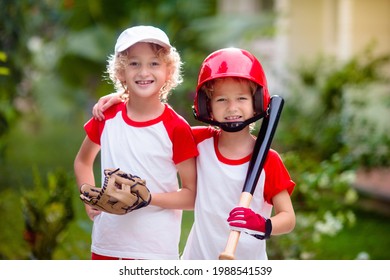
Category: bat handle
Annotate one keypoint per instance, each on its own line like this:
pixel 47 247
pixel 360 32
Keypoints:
pixel 234 236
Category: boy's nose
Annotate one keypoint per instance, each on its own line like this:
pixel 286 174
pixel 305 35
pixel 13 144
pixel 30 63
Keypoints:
pixel 232 106
pixel 144 71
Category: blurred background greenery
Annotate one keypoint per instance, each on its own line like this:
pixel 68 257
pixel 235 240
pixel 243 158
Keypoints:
pixel 52 62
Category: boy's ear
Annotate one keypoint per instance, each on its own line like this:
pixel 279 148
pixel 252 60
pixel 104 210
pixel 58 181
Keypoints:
pixel 169 74
pixel 120 75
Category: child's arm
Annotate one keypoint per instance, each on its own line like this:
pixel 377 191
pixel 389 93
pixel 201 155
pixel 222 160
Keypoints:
pixel 83 168
pixel 184 198
pixel 104 103
pixel 245 219
pixel 283 220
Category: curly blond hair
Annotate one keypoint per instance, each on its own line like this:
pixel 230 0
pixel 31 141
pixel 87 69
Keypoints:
pixel 116 64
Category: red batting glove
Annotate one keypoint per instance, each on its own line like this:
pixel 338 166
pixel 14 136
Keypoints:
pixel 244 219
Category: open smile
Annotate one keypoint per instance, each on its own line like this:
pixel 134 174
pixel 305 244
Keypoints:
pixel 144 83
pixel 233 118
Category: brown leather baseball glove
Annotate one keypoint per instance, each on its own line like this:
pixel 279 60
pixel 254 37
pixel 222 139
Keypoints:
pixel 121 193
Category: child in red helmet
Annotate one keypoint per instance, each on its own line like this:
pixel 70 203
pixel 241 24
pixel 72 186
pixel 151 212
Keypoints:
pixel 231 95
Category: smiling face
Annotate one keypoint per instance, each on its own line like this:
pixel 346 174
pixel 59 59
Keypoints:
pixel 145 72
pixel 231 100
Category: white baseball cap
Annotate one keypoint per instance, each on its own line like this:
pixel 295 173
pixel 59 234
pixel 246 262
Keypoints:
pixel 141 33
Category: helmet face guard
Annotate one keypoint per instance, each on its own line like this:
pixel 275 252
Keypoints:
pixel 231 62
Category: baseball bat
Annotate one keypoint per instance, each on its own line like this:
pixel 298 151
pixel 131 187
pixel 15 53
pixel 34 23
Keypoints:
pixel 256 164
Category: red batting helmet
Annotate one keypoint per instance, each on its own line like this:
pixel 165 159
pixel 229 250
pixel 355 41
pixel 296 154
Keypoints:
pixel 231 62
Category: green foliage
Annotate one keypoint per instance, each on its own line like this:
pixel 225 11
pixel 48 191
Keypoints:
pixel 47 211
pixel 315 122
pixel 326 134
pixel 324 203
pixel 7 112
pixel 366 135
pixel 322 186
pixel 364 240
pixel 20 22
pixel 12 244
pixel 3 70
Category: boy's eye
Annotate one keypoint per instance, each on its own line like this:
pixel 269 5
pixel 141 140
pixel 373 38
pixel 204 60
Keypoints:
pixel 155 63
pixel 133 63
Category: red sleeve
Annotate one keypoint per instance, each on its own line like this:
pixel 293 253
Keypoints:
pixel 277 177
pixel 94 128
pixel 203 132
pixel 184 146
pixel 179 131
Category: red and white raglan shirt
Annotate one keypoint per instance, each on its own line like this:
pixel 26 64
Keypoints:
pixel 151 151
pixel 220 182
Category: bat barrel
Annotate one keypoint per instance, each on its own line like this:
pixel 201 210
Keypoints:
pixel 260 151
